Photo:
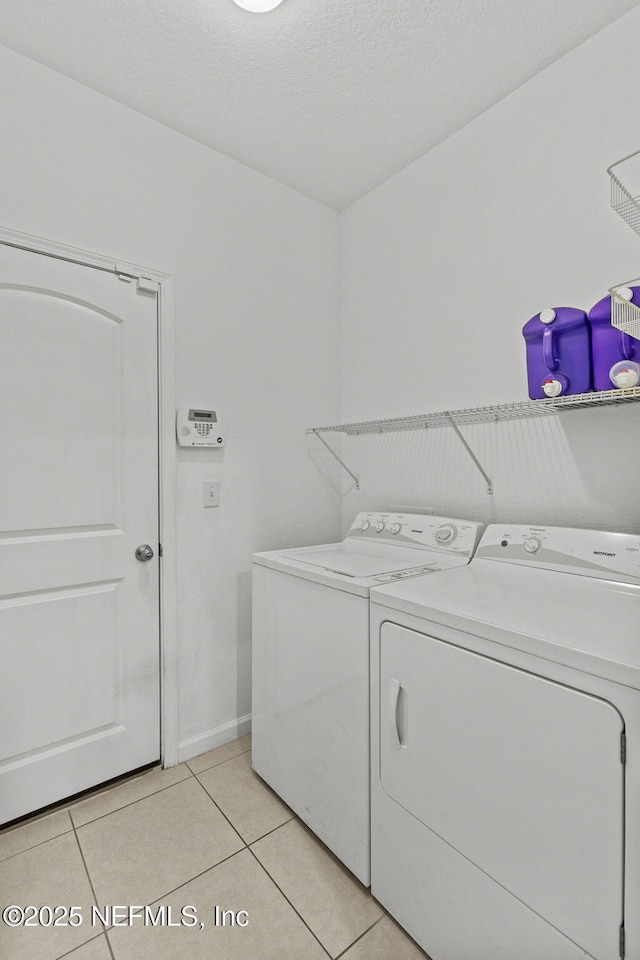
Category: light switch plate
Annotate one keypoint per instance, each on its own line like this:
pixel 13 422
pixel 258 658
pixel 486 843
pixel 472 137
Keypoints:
pixel 211 493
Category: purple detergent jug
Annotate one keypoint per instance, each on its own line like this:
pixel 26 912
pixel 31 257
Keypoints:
pixel 558 353
pixel 615 354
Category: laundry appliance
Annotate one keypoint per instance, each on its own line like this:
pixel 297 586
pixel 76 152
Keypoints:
pixel 506 749
pixel 310 724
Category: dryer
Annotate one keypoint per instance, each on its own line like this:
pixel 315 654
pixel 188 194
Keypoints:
pixel 310 651
pixel 506 749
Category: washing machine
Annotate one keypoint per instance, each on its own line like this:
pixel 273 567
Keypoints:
pixel 310 720
pixel 506 749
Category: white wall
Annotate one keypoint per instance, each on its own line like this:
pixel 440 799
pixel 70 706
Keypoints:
pixel 445 262
pixel 255 267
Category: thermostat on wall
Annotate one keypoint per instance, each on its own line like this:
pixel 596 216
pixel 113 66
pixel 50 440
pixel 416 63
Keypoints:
pixel 199 428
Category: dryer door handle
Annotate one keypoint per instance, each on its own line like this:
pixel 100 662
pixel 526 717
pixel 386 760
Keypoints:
pixel 394 692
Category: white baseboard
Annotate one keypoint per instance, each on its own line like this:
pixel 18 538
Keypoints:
pixel 194 746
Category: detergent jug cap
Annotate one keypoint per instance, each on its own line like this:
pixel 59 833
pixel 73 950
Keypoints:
pixel 552 387
pixel 548 315
pixel 625 374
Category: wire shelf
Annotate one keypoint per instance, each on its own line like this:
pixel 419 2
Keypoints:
pixel 503 411
pixel 625 198
pixel 624 314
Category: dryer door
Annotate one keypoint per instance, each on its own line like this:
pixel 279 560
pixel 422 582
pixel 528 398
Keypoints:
pixel 521 775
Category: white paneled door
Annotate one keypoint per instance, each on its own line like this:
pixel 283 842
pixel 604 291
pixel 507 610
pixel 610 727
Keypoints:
pixel 79 618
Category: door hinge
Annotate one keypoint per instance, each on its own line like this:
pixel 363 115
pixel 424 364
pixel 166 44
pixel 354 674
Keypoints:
pixel 621 941
pixel 623 748
pixel 159 549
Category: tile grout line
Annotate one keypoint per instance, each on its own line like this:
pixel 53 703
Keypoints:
pixel 204 770
pixel 362 935
pixel 69 956
pixel 131 803
pixel 273 830
pixel 195 877
pixel 68 810
pixel 283 894
pixel 263 783
pixel 209 797
pixel 109 947
pixel 86 868
pixel 169 893
pixel 34 845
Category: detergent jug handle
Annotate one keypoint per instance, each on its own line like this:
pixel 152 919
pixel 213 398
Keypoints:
pixel 548 352
pixel 625 345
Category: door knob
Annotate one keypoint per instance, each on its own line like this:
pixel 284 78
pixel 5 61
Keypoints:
pixel 144 552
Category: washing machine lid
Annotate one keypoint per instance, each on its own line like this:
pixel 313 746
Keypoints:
pixel 349 569
pixel 363 559
pixel 584 623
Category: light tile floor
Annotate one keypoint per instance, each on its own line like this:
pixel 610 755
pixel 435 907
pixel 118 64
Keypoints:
pixel 208 835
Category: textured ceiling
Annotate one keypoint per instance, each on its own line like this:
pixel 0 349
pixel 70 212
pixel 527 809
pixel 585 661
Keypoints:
pixel 328 96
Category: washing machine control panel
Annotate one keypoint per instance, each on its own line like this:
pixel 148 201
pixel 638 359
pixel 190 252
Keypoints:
pixel 422 531
pixel 591 553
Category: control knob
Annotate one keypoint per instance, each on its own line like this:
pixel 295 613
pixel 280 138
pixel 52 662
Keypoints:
pixel 395 528
pixel 446 534
pixel 379 527
pixel 531 544
pixel 364 526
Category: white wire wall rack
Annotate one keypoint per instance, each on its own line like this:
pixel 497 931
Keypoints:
pixel 625 196
pixel 456 418
pixel 625 200
pixel 625 315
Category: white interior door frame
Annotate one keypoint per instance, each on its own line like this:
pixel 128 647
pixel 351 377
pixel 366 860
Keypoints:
pixel 166 463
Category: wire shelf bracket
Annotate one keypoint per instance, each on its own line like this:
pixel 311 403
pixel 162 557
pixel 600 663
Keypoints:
pixel 464 443
pixel 318 434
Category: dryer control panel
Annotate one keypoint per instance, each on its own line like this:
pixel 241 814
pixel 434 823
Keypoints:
pixel 418 530
pixel 590 553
